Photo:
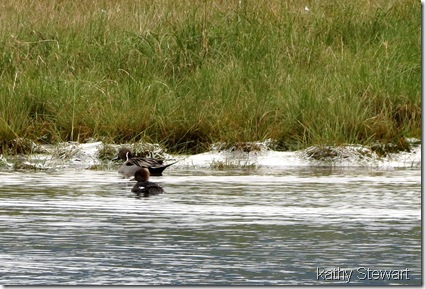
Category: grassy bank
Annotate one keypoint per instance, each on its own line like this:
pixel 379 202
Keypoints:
pixel 189 73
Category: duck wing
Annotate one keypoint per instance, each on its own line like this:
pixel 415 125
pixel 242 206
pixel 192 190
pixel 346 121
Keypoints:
pixel 146 162
pixel 155 189
pixel 156 167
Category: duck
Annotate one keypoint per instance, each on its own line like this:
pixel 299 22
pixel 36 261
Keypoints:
pixel 144 187
pixel 132 164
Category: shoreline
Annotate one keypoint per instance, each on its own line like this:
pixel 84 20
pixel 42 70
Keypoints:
pixel 97 155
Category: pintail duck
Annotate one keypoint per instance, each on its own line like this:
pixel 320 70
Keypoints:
pixel 132 164
pixel 144 186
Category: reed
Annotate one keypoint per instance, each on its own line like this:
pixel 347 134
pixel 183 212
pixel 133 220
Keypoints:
pixel 189 73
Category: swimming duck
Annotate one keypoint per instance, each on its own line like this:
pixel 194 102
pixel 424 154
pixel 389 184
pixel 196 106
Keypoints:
pixel 144 186
pixel 133 164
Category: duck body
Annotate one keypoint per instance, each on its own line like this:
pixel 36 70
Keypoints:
pixel 133 164
pixel 147 189
pixel 144 186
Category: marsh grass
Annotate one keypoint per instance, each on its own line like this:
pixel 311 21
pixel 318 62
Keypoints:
pixel 229 164
pixel 186 74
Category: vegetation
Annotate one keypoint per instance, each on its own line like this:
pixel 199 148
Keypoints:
pixel 189 73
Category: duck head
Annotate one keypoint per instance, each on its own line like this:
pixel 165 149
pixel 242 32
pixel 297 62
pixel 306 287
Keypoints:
pixel 124 154
pixel 142 175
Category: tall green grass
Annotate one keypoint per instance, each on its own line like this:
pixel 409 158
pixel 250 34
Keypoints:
pixel 189 73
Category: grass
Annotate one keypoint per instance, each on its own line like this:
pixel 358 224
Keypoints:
pixel 186 74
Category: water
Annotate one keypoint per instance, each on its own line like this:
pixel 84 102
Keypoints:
pixel 233 227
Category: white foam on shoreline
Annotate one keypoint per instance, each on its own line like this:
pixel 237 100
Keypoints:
pixel 85 155
pixel 277 159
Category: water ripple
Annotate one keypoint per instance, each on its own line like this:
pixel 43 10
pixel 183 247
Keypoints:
pixel 212 228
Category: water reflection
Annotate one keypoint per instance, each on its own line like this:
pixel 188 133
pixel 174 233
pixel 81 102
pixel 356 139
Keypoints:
pixel 211 227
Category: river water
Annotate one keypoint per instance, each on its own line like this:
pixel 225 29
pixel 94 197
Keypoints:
pixel 292 226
